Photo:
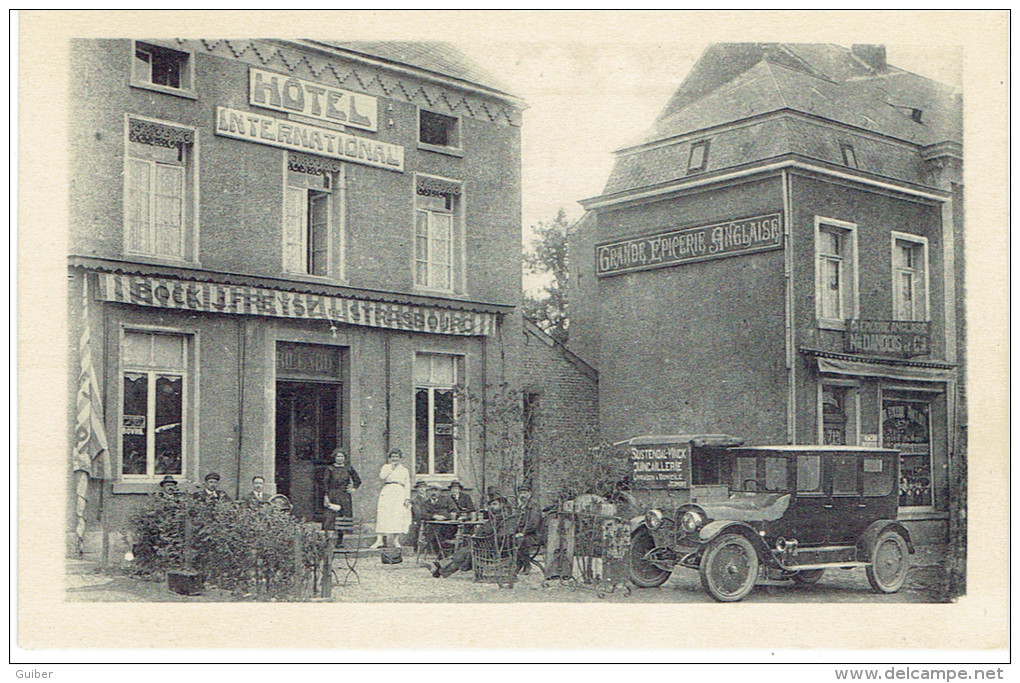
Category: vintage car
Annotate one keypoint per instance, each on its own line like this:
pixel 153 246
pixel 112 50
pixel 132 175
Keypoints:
pixel 787 512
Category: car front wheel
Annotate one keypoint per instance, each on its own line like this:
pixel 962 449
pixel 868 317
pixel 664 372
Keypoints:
pixel 889 562
pixel 643 573
pixel 729 568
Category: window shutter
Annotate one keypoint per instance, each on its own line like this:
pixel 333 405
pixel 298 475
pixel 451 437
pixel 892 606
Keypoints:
pixel 169 198
pixel 319 234
pixel 294 216
pixel 138 205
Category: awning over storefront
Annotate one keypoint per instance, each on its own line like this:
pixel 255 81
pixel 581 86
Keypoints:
pixel 890 368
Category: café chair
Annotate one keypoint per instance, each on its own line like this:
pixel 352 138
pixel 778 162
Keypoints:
pixel 350 551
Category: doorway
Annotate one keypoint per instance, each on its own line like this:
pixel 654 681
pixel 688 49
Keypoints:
pixel 308 428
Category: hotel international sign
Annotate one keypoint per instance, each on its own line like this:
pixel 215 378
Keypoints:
pixel 269 130
pixel 688 245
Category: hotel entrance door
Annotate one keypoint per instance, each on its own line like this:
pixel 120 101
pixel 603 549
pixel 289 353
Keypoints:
pixel 308 423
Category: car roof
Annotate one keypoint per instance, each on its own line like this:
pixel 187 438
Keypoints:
pixel 719 440
pixel 816 448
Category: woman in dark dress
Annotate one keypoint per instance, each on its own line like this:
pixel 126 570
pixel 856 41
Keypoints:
pixel 338 483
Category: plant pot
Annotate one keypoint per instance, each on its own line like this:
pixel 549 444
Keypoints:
pixel 185 581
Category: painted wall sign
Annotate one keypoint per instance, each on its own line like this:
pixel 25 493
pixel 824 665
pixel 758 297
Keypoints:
pixel 887 337
pixel 307 359
pixel 268 130
pixel 687 245
pixel 212 297
pixel 307 98
pixel 666 466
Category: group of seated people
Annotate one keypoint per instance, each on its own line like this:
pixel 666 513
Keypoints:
pixel 499 523
pixel 211 491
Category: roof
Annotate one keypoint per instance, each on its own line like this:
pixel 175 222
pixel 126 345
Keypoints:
pixel 757 102
pixel 438 58
pixel 734 81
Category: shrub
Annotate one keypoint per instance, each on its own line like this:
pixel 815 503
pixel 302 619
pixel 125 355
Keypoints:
pixel 249 550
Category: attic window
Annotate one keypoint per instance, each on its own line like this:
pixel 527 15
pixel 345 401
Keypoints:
pixel 437 130
pixel 915 114
pixel 698 160
pixel 849 156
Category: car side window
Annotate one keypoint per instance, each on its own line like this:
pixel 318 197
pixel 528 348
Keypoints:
pixel 744 469
pixel 877 477
pixel 844 475
pixel 775 474
pixel 809 474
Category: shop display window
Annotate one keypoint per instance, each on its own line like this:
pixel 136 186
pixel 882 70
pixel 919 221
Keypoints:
pixel 153 407
pixel 435 413
pixel 906 427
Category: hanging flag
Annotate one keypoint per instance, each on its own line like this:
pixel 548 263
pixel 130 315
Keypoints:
pixel 90 455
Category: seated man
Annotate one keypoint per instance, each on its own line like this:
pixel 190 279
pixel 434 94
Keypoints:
pixel 438 508
pixel 499 530
pixel 530 526
pixel 419 496
pixel 461 500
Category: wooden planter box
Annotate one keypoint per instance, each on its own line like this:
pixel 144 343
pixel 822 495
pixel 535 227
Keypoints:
pixel 185 582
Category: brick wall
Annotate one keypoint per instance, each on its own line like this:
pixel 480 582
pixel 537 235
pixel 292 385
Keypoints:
pixel 564 391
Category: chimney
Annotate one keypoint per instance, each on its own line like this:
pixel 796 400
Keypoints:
pixel 872 55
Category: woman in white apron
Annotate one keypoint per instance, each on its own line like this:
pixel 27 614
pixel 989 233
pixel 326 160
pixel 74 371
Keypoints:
pixel 393 514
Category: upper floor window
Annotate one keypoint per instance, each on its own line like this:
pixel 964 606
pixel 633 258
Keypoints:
pixel 162 68
pixel 159 187
pixel 835 271
pixel 153 407
pixel 698 159
pixel 438 130
pixel 435 233
pixel 909 277
pixel 312 215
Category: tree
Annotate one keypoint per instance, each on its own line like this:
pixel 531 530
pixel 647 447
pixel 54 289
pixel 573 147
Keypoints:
pixel 548 257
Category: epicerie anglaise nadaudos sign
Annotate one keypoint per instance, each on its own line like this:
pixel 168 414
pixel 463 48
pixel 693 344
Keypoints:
pixel 685 245
pixel 314 100
pixel 269 130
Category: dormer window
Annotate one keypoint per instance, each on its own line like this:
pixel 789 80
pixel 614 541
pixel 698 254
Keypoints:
pixel 698 159
pixel 849 155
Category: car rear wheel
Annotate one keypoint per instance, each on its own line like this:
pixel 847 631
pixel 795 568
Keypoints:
pixel 808 576
pixel 889 562
pixel 643 573
pixel 729 568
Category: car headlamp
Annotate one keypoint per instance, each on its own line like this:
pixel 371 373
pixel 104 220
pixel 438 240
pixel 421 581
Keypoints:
pixel 653 519
pixel 691 521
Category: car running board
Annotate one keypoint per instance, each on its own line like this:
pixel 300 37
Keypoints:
pixel 826 565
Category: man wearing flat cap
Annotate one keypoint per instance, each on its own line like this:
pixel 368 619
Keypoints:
pixel 212 491
pixel 461 500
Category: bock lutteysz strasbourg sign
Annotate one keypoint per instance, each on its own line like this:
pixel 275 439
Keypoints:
pixel 211 297
pixel 687 245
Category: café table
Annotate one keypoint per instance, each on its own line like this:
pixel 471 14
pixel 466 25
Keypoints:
pixel 436 533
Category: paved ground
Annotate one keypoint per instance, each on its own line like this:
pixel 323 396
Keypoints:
pixel 408 582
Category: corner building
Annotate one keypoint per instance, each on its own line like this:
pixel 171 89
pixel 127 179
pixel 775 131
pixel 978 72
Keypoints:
pixel 279 247
pixel 780 258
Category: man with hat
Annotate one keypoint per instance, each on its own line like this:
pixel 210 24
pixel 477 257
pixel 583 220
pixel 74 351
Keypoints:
pixel 419 496
pixel 529 525
pixel 212 491
pixel 461 500
pixel 438 508
pixel 168 487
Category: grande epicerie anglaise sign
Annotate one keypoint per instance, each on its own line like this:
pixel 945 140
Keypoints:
pixel 317 101
pixel 686 245
pixel 665 466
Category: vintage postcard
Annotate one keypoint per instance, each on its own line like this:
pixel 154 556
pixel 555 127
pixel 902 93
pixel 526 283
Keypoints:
pixel 387 315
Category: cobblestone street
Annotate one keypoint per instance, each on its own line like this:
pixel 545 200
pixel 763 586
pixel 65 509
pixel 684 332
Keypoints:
pixel 409 582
